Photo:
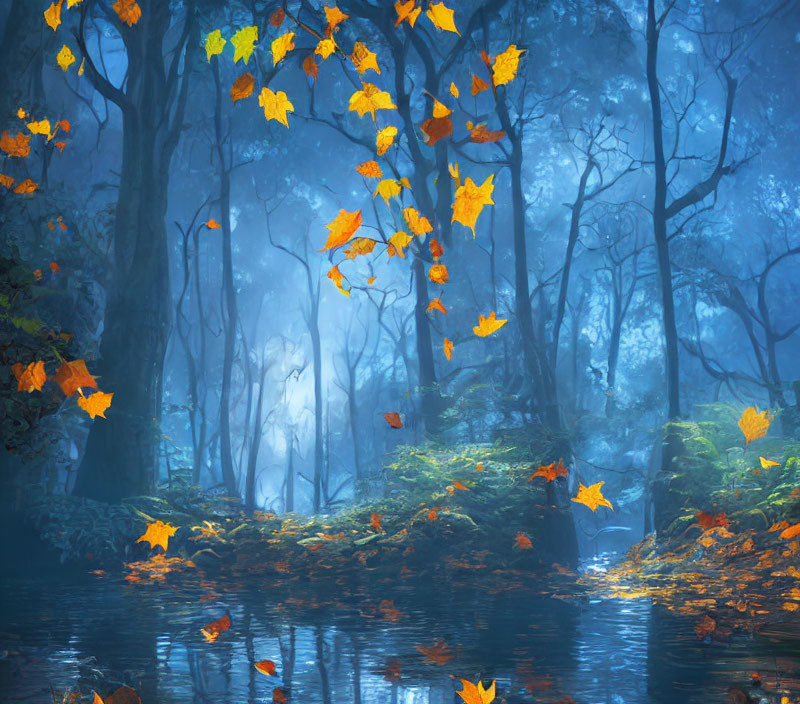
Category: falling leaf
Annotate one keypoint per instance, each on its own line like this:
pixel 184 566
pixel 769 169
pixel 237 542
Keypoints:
pixel 438 653
pixel 447 346
pixel 472 694
pixel 481 135
pixel 437 251
pixel 375 522
pixel 364 59
pixel 72 376
pixel 406 12
pixel 522 541
pixel 96 404
pixel 52 15
pixel 64 125
pixel 754 424
pixel 40 127
pixel 791 532
pixel 6 181
pixel 417 224
pixel 281 46
pixel 61 146
pixel 442 17
pixel 244 42
pixel 438 274
pixel 506 64
pixel 81 67
pixel 16 146
pixel 384 139
pixel 279 696
pixel 766 464
pixel 338 279
pixel 393 419
pixel 334 16
pixel 275 105
pixel 266 667
pixel 310 67
pixel 488 324
pixel 460 486
pixel 31 377
pixel 591 496
pixel 435 128
pixel 371 280
pixel 215 43
pixel 342 228
pixel 212 224
pixel 436 304
pixel 243 87
pixel 128 11
pixel 21 114
pixel 359 247
pixel 26 186
pixel 398 242
pixel 778 526
pixel 212 630
pixel 369 169
pixel 369 99
pixel 158 533
pixel 325 47
pixel 550 471
pixel 469 201
pixel 277 17
pixel 65 58
pixel 478 85
pixel 454 90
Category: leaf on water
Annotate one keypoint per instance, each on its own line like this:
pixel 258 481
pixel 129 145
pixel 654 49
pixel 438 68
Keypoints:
pixel 212 630
pixel 266 667
pixel 472 694
pixel 438 653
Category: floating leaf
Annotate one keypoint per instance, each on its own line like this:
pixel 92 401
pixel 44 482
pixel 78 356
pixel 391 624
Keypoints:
pixel 158 533
pixel 358 247
pixel 369 99
pixel 439 652
pixel 488 325
pixel 6 181
pixel 472 694
pixel 338 279
pixel 342 228
pixel 550 471
pixel 275 105
pixel 74 375
pixel 243 87
pixel 442 17
pixel 375 522
pixel 711 520
pixel 506 64
pixel 436 304
pixel 481 135
pixel 212 630
pixel 791 532
pixel 766 464
pixel 754 424
pixel 393 419
pixel 591 496
pixel 212 224
pixel 522 541
pixel 266 667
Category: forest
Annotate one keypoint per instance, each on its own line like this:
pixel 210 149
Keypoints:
pixel 409 352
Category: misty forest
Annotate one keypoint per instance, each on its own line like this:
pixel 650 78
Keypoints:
pixel 414 352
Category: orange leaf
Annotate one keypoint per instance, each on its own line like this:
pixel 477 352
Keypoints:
pixel 7 181
pixel 266 667
pixel 416 223
pixel 74 375
pixel 478 85
pixel 393 419
pixel 522 541
pixel 480 135
pixel 212 630
pixel 96 404
pixel 447 346
pixel 591 496
pixel 338 279
pixel 212 224
pixel 435 128
pixel 16 146
pixel 279 696
pixel 54 267
pixel 334 16
pixel 375 522
pixel 778 526
pixel 438 274
pixel 433 514
pixel 243 87
pixel 406 12
pixel 52 15
pixel 342 228
pixel 710 520
pixel 128 11
pixel 26 186
pixel 31 377
pixel 158 533
pixel 550 471
pixel 437 251
pixel 791 532
pixel 359 246
pixel 37 274
pixel 310 67
pixel 436 304
pixel 459 485
pixel 438 653
pixel 472 694
pixel 488 324
pixel 64 125
pixel 369 169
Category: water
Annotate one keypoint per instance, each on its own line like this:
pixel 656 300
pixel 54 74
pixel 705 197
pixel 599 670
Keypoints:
pixel 348 644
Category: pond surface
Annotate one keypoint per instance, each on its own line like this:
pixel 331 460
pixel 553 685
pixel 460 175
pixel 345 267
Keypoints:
pixel 97 632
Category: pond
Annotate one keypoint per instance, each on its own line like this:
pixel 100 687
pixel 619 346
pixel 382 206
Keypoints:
pixel 348 646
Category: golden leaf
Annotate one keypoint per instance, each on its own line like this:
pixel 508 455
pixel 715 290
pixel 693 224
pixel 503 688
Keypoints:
pixel 454 90
pixel 438 274
pixel 358 247
pixel 325 48
pixel 342 228
pixel 436 304
pixel 591 496
pixel 442 17
pixel 96 404
pixel 275 105
pixel 406 12
pixel 469 201
pixel 385 138
pixel 472 694
pixel 388 188
pixel 766 464
pixel 128 11
pixel 16 146
pixel 65 58
pixel 369 169
pixel 26 186
pixel 397 242
pixel 158 533
pixel 417 224
pixel 364 59
pixel 369 99
pixel 281 46
pixel 478 85
pixel 41 127
pixel 334 16
pixel 243 87
pixel 52 15
pixel 506 64
pixel 488 325
pixel 215 43
pixel 244 43
pixel 6 181
pixel 338 279
pixel 754 424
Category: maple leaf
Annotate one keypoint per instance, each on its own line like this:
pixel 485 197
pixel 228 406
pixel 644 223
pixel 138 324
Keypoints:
pixel 453 90
pixel 26 186
pixel 436 304
pixel 266 667
pixel 277 17
pixel 481 135
pixel 65 58
pixel 244 42
pixel 338 279
pixel 215 43
pixel 275 105
pixel 393 419
pixel 342 228
pixel 469 201
pixel 364 59
pixel 16 146
pixel 754 424
pixel 158 533
pixel 369 99
pixel 447 347
pixel 385 138
pixel 52 15
pixel 375 522
pixel 325 47
pixel 442 17
pixel 417 224
pixel 310 67
pixel 472 694
pixel 591 496
pixel 488 324
pixel 359 246
pixel 128 11
pixel 369 169
pixel 212 630
pixel 478 85
pixel 437 251
pixel 281 46
pixel 406 12
pixel 550 471
pixel 438 274
pixel 522 541
pixel 334 16
pixel 31 377
pixel 243 87
pixel 435 128
pixel 96 404
pixel 438 653
pixel 74 375
pixel 506 64
pixel 397 243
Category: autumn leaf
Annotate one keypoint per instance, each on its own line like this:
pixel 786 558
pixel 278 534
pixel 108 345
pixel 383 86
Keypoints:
pixel 128 11
pixel 338 279
pixel 388 188
pixel 438 274
pixel 369 169
pixel 397 244
pixel 550 471
pixel 277 17
pixel 342 228
pixel 359 247
pixel 20 145
pixel 6 181
pixel 266 667
pixel 442 17
pixel 406 12
pixel 281 46
pixel 438 653
pixel 591 496
pixel 711 520
pixel 506 64
pixel 72 376
pixel 26 186
pixel 488 325
pixel 243 87
pixel 385 138
pixel 275 105
pixel 325 47
pixel 460 486
pixel 334 16
pixel 766 464
pixel 215 43
pixel 310 67
pixel 436 249
pixel 369 99
pixel 363 59
pixel 393 419
pixel 40 127
pixel 416 223
pixel 65 58
pixel 435 128
pixel 778 526
pixel 96 404
pixel 37 274
pixel 791 532
pixel 478 85
pixel 279 696
pixel 64 126
pixel 522 541
pixel 244 43
pixel 469 201
pixel 436 304
pixel 31 377
pixel 754 424
pixel 472 694
pixel 52 15
pixel 158 533
pixel 375 522
pixel 447 347
pixel 212 630
pixel 481 135
pixel 454 90
pixel 212 224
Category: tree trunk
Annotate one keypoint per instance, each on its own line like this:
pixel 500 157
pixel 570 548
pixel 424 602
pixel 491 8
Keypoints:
pixel 288 503
pixel 252 458
pixel 316 346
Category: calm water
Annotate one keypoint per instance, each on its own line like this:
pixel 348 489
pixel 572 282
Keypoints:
pixel 353 648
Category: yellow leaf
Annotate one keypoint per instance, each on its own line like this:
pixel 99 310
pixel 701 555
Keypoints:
pixel 282 46
pixel 442 17
pixel 754 424
pixel 338 278
pixel 399 240
pixel 440 109
pixel 384 139
pixel 96 404
pixel 452 169
pixel 215 43
pixel 21 114
pixel 592 497
pixel 275 105
pixel 469 201
pixel 243 87
pixel 371 280
pixel 325 48
pixel 388 188
pixel 406 12
pixel 72 3
pixel 472 694
pixel 369 99
pixel 364 59
pixel 334 16
pixel 438 274
pixel 358 247
pixel 766 464
pixel 52 15
pixel 65 58
pixel 244 43
pixel 506 64
pixel 488 325
pixel 447 346
pixel 369 169
pixel 158 533
pixel 41 127
pixel 342 228
pixel 80 68
pixel 417 224
pixel 454 90
pixel 478 85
